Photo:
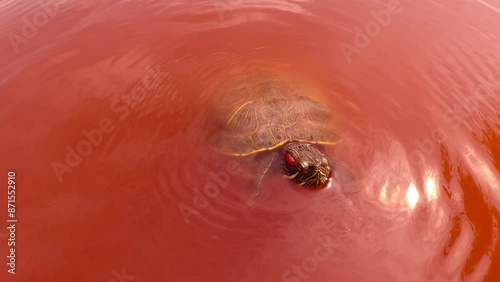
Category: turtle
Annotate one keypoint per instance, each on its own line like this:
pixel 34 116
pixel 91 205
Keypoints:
pixel 261 114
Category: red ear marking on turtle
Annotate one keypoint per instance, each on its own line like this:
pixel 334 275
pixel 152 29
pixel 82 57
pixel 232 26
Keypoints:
pixel 289 159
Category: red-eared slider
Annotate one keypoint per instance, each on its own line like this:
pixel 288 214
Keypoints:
pixel 261 113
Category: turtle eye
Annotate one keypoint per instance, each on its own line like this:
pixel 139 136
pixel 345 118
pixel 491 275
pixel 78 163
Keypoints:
pixel 290 160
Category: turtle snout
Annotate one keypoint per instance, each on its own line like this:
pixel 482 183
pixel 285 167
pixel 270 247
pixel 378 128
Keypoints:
pixel 315 177
pixel 323 171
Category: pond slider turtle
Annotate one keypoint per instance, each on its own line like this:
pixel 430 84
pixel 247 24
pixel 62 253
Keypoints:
pixel 260 114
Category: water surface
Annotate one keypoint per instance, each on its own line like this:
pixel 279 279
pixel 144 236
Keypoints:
pixel 104 116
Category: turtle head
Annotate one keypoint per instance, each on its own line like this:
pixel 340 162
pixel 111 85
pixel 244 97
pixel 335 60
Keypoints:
pixel 305 164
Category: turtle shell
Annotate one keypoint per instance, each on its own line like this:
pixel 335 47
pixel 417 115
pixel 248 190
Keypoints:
pixel 260 112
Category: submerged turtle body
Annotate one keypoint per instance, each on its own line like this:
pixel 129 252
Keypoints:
pixel 262 112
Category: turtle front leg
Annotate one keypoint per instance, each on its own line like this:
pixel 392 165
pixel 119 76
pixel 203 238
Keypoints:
pixel 265 163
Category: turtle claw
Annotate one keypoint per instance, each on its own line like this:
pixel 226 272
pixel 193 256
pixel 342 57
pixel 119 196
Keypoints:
pixel 252 199
pixel 256 193
pixel 265 164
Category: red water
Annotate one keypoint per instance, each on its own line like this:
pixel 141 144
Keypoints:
pixel 103 114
